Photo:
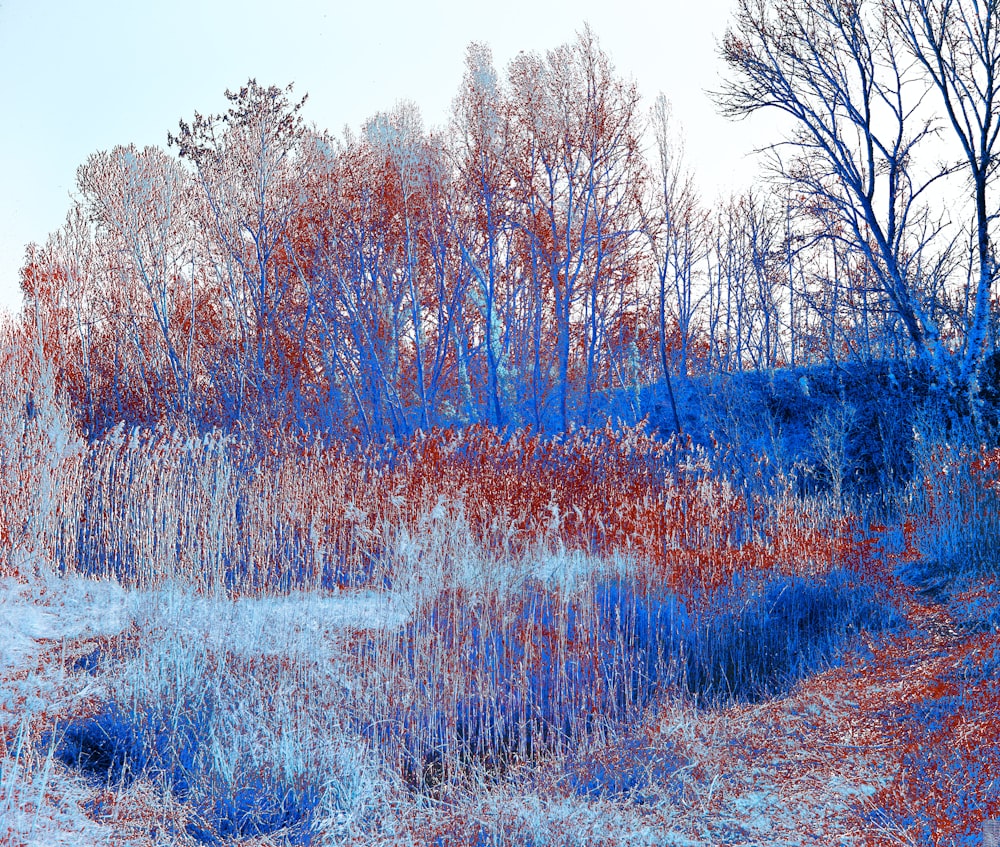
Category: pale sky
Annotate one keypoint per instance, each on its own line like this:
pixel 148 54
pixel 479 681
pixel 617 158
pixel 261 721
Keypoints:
pixel 77 77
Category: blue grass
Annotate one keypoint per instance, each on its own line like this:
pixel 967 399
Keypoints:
pixel 118 746
pixel 547 676
pixel 91 662
pixel 752 643
pixel 104 549
pixel 631 770
pixel 516 658
pixel 759 648
pixel 639 638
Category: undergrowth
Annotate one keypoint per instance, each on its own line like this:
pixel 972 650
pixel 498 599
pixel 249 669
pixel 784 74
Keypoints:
pixel 555 595
pixel 117 746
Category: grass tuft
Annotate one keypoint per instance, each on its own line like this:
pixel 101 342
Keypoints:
pixel 116 747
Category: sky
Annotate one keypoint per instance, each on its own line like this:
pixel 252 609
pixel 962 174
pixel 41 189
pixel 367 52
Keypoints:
pixel 79 77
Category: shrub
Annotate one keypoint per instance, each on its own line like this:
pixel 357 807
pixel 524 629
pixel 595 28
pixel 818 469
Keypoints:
pixel 211 511
pixel 41 454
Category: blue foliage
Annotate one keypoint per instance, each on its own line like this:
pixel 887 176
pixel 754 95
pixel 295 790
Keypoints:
pixel 631 770
pixel 792 627
pixel 546 677
pixel 117 746
pixel 260 807
pixel 109 746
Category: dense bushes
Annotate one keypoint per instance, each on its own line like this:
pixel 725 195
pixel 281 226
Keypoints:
pixel 846 429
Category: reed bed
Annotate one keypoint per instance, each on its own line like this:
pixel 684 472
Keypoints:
pixel 549 597
pixel 956 509
pixel 217 513
pixel 41 459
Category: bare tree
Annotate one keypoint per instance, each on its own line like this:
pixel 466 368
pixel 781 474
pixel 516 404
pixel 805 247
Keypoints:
pixel 957 42
pixel 746 274
pixel 137 201
pixel 580 179
pixel 676 228
pixel 245 161
pixel 482 215
pixel 859 119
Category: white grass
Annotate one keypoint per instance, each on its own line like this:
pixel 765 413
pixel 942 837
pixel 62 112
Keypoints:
pixel 40 804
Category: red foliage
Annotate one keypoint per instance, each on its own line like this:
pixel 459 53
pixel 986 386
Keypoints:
pixel 662 505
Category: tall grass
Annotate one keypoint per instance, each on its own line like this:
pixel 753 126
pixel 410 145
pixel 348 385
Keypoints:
pixel 254 726
pixel 26 771
pixel 554 592
pixel 41 457
pixel 213 511
pixel 955 503
pixel 483 684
